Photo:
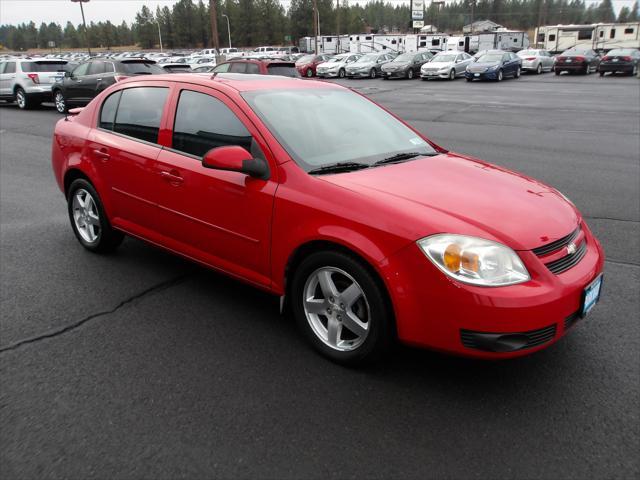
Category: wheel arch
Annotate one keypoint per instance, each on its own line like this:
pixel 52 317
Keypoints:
pixel 73 174
pixel 305 249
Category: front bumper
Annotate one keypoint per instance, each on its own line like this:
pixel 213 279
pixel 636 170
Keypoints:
pixel 394 73
pixel 488 75
pixel 435 74
pixel 327 74
pixel 439 313
pixel 358 73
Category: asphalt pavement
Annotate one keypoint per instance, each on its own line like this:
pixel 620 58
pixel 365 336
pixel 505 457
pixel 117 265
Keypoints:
pixel 142 365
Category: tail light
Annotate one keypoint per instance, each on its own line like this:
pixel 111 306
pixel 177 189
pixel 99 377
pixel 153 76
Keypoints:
pixel 626 59
pixel 119 78
pixel 561 59
pixel 34 77
pixel 530 59
pixel 606 58
pixel 580 59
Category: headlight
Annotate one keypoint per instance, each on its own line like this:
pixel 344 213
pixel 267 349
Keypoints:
pixel 474 260
pixel 495 67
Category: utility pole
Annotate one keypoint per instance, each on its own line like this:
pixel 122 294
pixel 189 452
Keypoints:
pixel 84 23
pixel 541 15
pixel 315 26
pixel 473 4
pixel 214 24
pixel 338 25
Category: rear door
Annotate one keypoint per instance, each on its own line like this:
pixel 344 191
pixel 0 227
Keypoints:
pixel 123 149
pixel 222 218
pixel 7 75
pixel 73 84
pixel 89 86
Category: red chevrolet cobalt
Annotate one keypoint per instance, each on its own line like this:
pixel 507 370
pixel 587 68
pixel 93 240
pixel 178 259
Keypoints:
pixel 367 230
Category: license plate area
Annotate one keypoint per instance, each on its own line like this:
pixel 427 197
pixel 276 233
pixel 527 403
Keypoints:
pixel 591 296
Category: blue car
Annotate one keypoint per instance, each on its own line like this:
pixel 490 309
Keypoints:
pixel 494 65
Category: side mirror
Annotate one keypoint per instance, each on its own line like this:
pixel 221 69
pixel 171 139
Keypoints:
pixel 236 159
pixel 68 74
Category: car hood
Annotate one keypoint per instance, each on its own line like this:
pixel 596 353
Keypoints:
pixel 395 65
pixel 438 65
pixel 362 65
pixel 330 64
pixel 483 65
pixel 450 193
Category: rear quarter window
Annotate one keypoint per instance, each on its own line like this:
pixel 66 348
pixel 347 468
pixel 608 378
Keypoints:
pixel 140 68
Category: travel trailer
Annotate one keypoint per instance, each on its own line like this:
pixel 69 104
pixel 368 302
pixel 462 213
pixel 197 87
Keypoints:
pixel 326 44
pixel 508 40
pixel 596 36
pixel 375 42
pixel 424 41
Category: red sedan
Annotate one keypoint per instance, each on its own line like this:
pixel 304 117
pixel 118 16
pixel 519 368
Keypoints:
pixel 367 230
pixel 306 65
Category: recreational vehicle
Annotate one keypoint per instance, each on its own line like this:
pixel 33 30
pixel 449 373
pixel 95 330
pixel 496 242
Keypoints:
pixel 375 42
pixel 424 41
pixel 597 36
pixel 326 44
pixel 507 40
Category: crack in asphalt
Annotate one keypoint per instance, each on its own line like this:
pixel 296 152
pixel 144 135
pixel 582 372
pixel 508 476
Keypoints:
pixel 618 262
pixel 613 219
pixel 67 328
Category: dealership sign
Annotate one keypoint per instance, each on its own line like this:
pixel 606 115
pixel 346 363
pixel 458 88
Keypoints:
pixel 418 23
pixel 417 15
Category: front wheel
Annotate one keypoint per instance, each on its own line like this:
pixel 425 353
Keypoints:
pixel 602 74
pixel 452 74
pixel 88 219
pixel 469 79
pixel 539 69
pixel 60 101
pixel 517 74
pixel 500 75
pixel 558 72
pixel 341 73
pixel 410 74
pixel 341 307
pixel 309 73
pixel 372 73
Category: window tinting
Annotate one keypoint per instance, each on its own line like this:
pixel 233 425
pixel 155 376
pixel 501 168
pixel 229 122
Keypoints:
pixel 140 68
pixel 628 30
pixel 81 70
pixel 43 66
pixel 108 112
pixel 552 37
pixel 238 67
pixel 252 68
pixel 282 70
pixel 222 68
pixel 584 34
pixel 10 68
pixel 140 111
pixel 96 68
pixel 204 122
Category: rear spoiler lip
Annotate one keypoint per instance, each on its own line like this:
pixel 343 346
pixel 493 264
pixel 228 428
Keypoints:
pixel 73 112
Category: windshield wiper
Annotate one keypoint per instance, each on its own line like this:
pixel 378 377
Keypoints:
pixel 339 167
pixel 400 157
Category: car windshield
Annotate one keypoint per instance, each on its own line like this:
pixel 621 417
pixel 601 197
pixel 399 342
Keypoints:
pixel 43 66
pixel 324 126
pixel 368 58
pixel 405 57
pixel 306 59
pixel 528 53
pixel 444 58
pixel 140 68
pixel 490 57
pixel 336 59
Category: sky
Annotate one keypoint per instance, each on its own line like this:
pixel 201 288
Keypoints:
pixel 61 11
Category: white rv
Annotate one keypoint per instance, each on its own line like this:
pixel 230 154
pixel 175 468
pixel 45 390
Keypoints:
pixel 326 44
pixel 597 36
pixel 375 42
pixel 425 41
pixel 508 40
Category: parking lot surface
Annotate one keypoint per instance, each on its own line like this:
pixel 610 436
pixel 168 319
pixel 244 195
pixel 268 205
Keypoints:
pixel 142 365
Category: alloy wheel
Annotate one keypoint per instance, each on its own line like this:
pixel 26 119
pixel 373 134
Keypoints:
pixel 452 74
pixel 309 73
pixel 372 73
pixel 21 99
pixel 85 216
pixel 410 74
pixel 336 309
pixel 60 103
pixel 499 75
pixel 539 69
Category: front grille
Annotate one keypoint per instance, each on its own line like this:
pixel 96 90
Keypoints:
pixel 556 245
pixel 565 263
pixel 494 341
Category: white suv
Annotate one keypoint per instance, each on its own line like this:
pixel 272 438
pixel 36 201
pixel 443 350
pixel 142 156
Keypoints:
pixel 28 82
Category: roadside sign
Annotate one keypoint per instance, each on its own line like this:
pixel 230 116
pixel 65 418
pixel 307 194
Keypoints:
pixel 417 5
pixel 418 23
pixel 417 15
pixel 287 38
pixel 51 44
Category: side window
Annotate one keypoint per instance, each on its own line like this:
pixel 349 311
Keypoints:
pixel 506 57
pixel 10 67
pixel 238 67
pixel 81 70
pixel 96 68
pixel 612 33
pixel 108 67
pixel 2 65
pixel 140 112
pixel 628 31
pixel 204 122
pixel 108 112
pixel 552 37
pixel 252 68
pixel 224 68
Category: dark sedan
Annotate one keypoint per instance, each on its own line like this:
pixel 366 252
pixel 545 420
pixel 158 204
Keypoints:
pixel 584 61
pixel 623 60
pixel 406 65
pixel 494 65
pixel 87 80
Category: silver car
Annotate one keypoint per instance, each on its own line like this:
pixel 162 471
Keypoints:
pixel 336 66
pixel 369 65
pixel 447 65
pixel 28 82
pixel 538 61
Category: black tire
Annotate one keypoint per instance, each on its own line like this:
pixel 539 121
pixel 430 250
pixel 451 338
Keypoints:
pixel 24 101
pixel 410 74
pixel 517 74
pixel 452 74
pixel 309 73
pixel 61 102
pixel 108 238
pixel 500 76
pixel 469 79
pixel 602 74
pixel 380 320
pixel 634 72
pixel 558 72
pixel 372 73
pixel 539 69
pixel 342 73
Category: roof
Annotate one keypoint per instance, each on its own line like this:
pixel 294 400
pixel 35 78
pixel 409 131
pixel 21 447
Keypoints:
pixel 241 82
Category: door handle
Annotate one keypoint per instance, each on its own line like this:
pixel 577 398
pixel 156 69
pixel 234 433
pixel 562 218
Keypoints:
pixel 101 153
pixel 171 177
pixel 98 79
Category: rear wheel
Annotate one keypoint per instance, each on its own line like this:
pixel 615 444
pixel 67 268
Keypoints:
pixel 88 220
pixel 60 101
pixel 372 73
pixel 558 72
pixel 341 307
pixel 23 100
pixel 634 72
pixel 602 74
pixel 469 79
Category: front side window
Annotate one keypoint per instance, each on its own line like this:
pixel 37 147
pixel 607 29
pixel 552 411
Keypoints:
pixel 96 68
pixel 224 68
pixel 204 122
pixel 140 111
pixel 81 70
pixel 340 126
pixel 252 68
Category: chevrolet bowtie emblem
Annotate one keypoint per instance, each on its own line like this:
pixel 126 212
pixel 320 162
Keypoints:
pixel 571 249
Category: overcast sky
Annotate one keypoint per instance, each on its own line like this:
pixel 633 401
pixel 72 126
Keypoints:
pixel 61 11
